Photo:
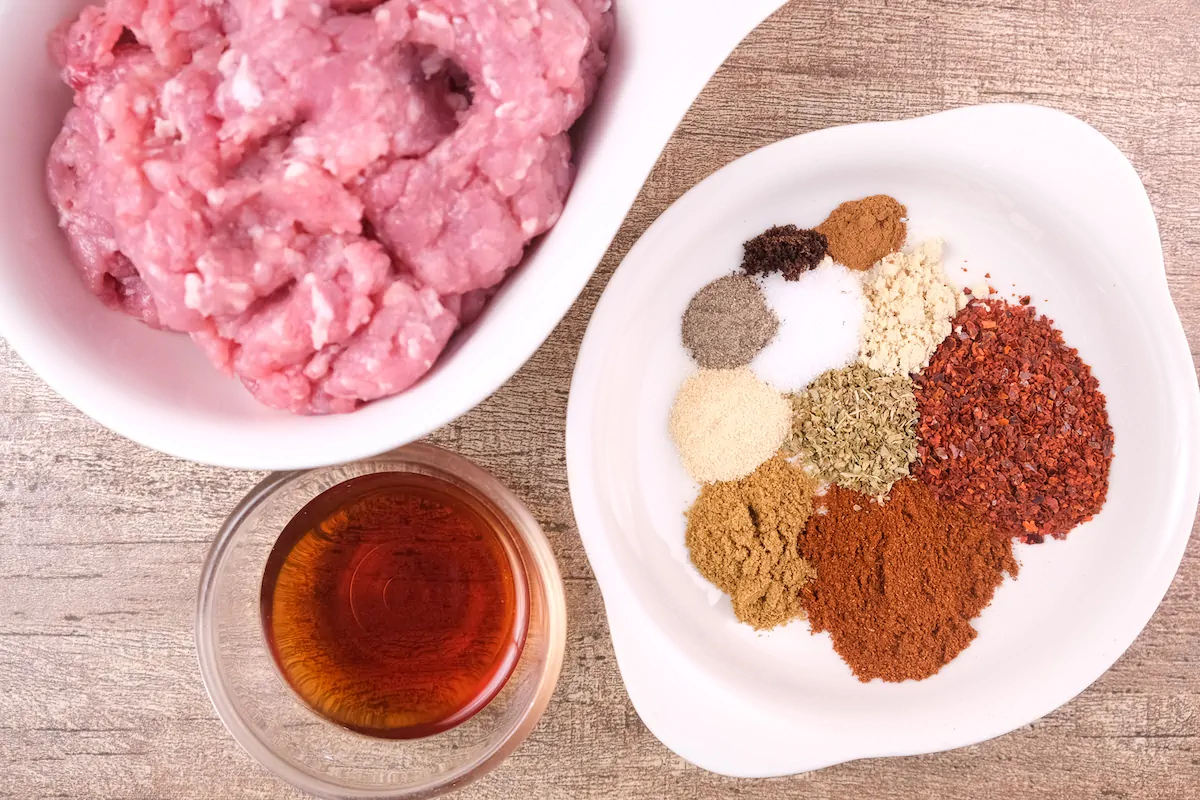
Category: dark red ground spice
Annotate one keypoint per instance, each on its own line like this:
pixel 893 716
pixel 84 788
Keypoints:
pixel 1013 424
pixel 784 248
pixel 898 584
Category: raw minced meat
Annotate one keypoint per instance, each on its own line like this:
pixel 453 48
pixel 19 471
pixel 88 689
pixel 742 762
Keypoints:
pixel 317 191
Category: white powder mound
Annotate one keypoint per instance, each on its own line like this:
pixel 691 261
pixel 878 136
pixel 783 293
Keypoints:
pixel 820 319
pixel 909 308
pixel 726 422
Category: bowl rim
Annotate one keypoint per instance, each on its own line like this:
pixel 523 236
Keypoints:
pixel 542 570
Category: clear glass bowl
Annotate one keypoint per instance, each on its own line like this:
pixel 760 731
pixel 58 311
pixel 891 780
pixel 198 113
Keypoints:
pixel 308 751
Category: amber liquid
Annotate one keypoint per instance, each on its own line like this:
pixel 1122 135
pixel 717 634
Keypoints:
pixel 394 605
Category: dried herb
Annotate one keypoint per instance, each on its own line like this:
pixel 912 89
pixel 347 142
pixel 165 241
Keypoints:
pixel 1013 423
pixel 857 427
pixel 787 249
pixel 898 584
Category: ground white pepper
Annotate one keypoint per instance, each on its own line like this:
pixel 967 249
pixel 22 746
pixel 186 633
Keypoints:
pixel 726 422
pixel 909 308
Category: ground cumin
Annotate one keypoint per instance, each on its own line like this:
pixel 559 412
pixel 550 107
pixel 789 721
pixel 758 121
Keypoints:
pixel 742 536
pixel 898 584
pixel 860 232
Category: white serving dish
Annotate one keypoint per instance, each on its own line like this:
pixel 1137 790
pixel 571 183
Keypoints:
pixel 1036 198
pixel 157 389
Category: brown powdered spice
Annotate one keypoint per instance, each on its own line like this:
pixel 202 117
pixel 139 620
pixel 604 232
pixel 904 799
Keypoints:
pixel 860 232
pixel 1013 423
pixel 742 536
pixel 784 248
pixel 898 584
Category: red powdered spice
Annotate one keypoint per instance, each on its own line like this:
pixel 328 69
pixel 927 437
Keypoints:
pixel 1013 424
pixel 898 584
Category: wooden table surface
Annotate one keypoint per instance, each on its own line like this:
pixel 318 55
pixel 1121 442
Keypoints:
pixel 101 541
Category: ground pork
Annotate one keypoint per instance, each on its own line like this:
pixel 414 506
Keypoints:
pixel 317 191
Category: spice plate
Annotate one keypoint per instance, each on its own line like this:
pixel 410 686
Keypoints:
pixel 1046 206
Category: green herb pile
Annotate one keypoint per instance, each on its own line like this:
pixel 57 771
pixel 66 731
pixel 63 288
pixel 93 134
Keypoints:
pixel 857 427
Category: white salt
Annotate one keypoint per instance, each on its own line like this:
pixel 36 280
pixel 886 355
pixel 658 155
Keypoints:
pixel 820 320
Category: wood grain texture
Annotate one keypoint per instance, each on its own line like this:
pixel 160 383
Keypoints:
pixel 101 541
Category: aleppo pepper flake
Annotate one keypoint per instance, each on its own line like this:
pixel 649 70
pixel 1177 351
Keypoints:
pixel 1013 423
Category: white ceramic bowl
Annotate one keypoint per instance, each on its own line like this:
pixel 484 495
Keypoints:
pixel 157 389
pixel 1032 196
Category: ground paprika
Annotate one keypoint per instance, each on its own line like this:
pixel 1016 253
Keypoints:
pixel 898 584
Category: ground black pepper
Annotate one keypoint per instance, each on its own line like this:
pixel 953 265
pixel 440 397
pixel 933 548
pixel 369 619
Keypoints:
pixel 728 323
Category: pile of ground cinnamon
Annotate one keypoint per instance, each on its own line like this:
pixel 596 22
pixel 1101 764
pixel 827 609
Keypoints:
pixel 860 232
pixel 898 584
pixel 742 536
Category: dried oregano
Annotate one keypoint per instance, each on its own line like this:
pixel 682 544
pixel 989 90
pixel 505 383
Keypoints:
pixel 857 427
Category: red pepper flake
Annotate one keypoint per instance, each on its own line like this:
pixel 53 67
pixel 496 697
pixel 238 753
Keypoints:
pixel 1023 418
